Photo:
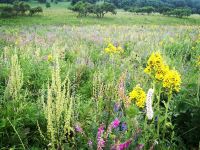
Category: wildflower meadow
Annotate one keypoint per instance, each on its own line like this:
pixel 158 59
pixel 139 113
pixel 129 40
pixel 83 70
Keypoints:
pixel 100 87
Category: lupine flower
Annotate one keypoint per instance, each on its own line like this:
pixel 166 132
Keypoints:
pixel 115 123
pixel 125 145
pixel 116 107
pixel 100 140
pixel 78 128
pixel 123 126
pixel 149 104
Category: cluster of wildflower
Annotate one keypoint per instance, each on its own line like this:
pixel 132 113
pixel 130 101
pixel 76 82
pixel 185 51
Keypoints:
pixel 157 69
pixel 138 95
pixel 112 49
pixel 100 140
pixel 172 80
pixel 122 146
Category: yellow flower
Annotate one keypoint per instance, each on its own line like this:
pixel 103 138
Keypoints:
pixel 172 81
pixel 113 49
pixel 138 95
pixel 49 57
pixel 156 66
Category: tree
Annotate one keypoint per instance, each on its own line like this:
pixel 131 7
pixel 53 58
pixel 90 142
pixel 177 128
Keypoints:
pixel 101 9
pixel 179 12
pixel 82 8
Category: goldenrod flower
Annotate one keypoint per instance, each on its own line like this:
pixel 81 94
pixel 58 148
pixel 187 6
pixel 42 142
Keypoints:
pixel 113 49
pixel 138 95
pixel 172 81
pixel 156 66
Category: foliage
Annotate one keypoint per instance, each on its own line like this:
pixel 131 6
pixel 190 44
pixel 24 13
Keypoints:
pixel 48 5
pixel 35 10
pixel 102 87
pixel 100 9
pixel 179 12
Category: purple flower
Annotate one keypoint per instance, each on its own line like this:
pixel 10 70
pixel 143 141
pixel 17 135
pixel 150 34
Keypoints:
pixel 124 145
pixel 115 123
pixel 123 126
pixel 90 143
pixel 139 146
pixel 100 140
pixel 78 128
pixel 116 107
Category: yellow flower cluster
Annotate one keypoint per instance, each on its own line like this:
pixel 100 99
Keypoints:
pixel 113 49
pixel 50 57
pixel 157 69
pixel 172 80
pixel 138 95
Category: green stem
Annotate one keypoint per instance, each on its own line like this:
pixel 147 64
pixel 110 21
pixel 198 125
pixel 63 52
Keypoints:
pixel 16 133
pixel 166 113
pixel 158 110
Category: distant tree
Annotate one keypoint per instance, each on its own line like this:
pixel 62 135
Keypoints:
pixel 42 1
pixel 82 8
pixel 147 9
pixel 8 11
pixel 21 7
pixel 179 12
pixel 48 5
pixel 35 10
pixel 101 9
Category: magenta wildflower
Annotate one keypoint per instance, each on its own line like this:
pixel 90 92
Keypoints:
pixel 125 145
pixel 115 123
pixel 100 140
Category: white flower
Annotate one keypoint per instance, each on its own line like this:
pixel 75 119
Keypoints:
pixel 149 104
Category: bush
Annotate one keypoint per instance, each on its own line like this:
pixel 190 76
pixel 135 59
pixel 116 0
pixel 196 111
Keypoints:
pixel 82 8
pixel 8 12
pixel 35 10
pixel 179 12
pixel 48 5
pixel 147 10
pixel 21 7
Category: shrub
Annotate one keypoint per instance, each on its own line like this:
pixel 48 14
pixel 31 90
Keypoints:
pixel 48 5
pixel 21 7
pixel 179 12
pixel 8 12
pixel 35 10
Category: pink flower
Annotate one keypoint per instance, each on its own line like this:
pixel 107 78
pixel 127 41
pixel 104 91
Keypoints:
pixel 100 140
pixel 78 128
pixel 124 145
pixel 115 123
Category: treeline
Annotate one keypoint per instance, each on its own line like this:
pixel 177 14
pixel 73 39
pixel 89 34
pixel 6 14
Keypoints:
pixel 161 6
pixel 19 8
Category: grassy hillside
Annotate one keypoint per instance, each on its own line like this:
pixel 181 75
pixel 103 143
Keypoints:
pixel 60 15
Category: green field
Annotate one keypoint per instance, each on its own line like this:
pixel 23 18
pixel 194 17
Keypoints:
pixel 124 81
pixel 58 14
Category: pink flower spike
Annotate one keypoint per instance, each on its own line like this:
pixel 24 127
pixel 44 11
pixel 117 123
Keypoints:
pixel 115 123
